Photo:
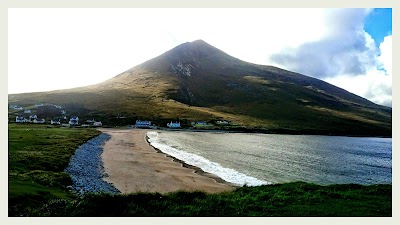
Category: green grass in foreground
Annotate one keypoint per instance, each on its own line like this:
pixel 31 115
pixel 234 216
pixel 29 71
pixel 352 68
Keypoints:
pixel 38 155
pixel 291 199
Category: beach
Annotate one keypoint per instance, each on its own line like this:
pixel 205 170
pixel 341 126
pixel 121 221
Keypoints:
pixel 132 165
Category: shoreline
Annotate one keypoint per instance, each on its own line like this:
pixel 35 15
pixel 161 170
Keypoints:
pixel 133 165
pixel 196 169
pixel 271 131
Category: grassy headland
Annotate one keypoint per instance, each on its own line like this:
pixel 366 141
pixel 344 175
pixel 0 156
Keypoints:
pixel 38 155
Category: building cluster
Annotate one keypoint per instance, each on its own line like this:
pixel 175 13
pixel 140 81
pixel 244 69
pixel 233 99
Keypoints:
pixel 74 120
pixel 177 124
pixel 30 118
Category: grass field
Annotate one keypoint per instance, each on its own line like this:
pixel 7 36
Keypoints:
pixel 38 155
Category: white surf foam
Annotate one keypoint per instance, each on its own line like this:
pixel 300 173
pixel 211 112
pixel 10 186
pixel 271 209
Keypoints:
pixel 206 165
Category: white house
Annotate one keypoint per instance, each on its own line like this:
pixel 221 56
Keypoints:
pixel 63 112
pixel 38 121
pixel 97 124
pixel 32 117
pixel 142 124
pixel 28 111
pixel 74 121
pixel 203 123
pixel 20 119
pixel 38 105
pixel 174 124
pixel 222 122
pixel 55 122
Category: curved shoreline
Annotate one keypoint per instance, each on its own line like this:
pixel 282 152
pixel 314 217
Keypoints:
pixel 133 165
pixel 196 169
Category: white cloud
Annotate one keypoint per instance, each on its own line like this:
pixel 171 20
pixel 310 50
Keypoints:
pixel 346 56
pixel 344 49
pixel 376 84
pixel 386 54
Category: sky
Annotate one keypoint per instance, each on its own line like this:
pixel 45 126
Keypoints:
pixel 51 49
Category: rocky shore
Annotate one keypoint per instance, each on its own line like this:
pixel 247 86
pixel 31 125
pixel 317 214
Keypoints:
pixel 86 168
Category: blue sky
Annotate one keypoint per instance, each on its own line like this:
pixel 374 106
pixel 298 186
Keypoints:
pixel 379 23
pixel 347 47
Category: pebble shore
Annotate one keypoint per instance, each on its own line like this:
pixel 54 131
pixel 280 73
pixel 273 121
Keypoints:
pixel 86 168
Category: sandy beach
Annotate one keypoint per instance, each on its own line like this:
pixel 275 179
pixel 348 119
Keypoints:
pixel 133 165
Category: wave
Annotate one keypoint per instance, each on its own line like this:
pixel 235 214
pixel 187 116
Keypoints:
pixel 228 174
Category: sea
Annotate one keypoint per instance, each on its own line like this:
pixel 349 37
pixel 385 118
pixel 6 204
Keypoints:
pixel 257 159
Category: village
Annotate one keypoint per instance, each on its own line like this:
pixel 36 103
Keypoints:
pixel 58 116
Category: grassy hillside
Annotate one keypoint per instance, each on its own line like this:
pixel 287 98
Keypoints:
pixel 196 81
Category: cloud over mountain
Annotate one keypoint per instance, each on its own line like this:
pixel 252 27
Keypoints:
pixel 345 54
pixel 344 49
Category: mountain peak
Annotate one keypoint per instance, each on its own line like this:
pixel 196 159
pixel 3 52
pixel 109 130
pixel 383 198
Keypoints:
pixel 198 45
pixel 199 54
pixel 199 41
pixel 196 42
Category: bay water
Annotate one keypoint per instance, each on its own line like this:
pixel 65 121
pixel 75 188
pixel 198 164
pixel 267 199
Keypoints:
pixel 256 159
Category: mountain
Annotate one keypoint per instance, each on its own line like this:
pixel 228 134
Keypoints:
pixel 196 81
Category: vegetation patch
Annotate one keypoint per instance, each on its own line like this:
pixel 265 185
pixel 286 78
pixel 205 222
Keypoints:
pixel 37 157
pixel 291 199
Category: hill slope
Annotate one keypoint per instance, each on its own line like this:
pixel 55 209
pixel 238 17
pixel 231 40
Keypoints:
pixel 197 81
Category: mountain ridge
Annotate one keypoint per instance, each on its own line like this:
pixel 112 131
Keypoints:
pixel 197 81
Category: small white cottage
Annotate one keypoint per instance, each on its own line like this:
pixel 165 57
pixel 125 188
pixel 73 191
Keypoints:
pixel 20 119
pixel 174 124
pixel 97 124
pixel 32 117
pixel 55 122
pixel 38 120
pixel 202 123
pixel 142 124
pixel 222 122
pixel 74 121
